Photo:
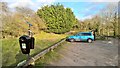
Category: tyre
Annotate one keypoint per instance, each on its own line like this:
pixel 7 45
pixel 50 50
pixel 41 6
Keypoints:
pixel 71 40
pixel 89 40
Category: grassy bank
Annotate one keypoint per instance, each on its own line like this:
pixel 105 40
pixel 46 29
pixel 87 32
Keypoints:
pixel 49 57
pixel 11 53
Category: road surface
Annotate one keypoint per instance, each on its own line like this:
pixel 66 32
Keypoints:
pixel 98 53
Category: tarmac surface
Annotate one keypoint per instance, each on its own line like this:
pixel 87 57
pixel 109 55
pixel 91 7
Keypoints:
pixel 97 53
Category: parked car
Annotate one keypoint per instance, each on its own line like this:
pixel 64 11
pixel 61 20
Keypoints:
pixel 82 36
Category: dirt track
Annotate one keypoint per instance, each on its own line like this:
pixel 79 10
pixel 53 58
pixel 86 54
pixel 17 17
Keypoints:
pixel 98 53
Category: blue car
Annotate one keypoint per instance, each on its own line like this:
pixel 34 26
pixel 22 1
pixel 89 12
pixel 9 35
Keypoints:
pixel 82 36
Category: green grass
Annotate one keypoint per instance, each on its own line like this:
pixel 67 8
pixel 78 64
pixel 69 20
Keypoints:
pixel 12 55
pixel 10 49
pixel 0 53
pixel 50 56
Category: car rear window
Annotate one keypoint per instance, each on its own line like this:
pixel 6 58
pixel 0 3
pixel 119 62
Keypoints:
pixel 86 34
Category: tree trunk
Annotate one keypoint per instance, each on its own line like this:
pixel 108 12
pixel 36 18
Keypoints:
pixel 114 32
pixel 108 32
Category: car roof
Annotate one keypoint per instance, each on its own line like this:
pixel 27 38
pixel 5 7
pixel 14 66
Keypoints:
pixel 85 32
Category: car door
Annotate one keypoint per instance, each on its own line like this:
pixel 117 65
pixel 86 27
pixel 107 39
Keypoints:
pixel 77 37
pixel 83 37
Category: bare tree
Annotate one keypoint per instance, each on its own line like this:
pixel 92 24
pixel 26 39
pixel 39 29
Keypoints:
pixel 109 18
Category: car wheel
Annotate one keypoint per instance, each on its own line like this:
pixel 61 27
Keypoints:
pixel 72 40
pixel 89 40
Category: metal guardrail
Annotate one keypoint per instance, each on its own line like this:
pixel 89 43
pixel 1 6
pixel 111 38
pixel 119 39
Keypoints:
pixel 43 52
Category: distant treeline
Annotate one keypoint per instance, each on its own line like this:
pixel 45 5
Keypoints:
pixel 105 22
pixel 57 19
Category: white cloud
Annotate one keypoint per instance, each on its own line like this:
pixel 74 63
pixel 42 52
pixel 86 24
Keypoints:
pixel 39 7
pixel 36 4
pixel 88 0
pixel 86 17
pixel 78 17
pixel 7 0
pixel 104 0
pixel 46 1
pixel 21 3
pixel 88 9
pixel 50 1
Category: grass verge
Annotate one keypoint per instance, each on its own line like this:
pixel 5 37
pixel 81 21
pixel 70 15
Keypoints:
pixel 12 55
pixel 49 57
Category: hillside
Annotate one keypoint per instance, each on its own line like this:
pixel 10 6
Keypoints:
pixel 14 23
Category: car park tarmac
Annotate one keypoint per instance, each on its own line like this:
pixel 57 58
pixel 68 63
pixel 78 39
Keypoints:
pixel 98 53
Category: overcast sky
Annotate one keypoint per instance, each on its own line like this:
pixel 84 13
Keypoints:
pixel 82 9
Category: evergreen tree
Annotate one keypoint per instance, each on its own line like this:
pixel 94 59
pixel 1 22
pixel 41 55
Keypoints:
pixel 57 18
